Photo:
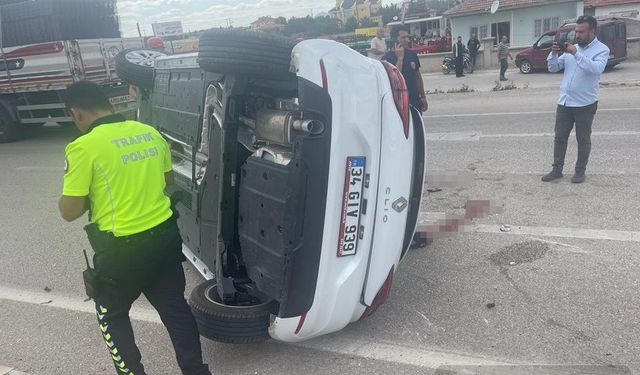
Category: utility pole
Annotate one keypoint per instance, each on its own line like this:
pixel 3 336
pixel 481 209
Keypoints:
pixel 139 32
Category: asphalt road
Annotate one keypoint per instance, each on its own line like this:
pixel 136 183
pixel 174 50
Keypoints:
pixel 560 289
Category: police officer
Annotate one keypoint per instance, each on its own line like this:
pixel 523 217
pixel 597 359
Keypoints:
pixel 118 170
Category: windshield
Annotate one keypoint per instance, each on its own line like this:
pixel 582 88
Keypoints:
pixel 546 41
pixel 567 35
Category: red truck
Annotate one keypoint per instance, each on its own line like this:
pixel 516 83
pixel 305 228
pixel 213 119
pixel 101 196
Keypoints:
pixel 33 78
pixel 611 31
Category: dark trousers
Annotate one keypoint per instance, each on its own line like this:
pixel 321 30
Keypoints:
pixel 459 66
pixel 503 67
pixel 473 56
pixel 149 264
pixel 566 117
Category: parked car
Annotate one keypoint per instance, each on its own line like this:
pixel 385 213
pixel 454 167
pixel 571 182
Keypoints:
pixel 301 168
pixel 612 32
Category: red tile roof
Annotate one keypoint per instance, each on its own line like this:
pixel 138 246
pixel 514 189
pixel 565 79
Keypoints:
pixel 601 3
pixel 480 6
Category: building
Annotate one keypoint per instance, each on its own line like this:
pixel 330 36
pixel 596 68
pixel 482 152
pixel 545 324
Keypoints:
pixel 523 21
pixel 617 8
pixel 267 24
pixel 358 9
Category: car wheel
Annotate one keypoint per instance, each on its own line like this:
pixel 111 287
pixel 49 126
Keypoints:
pixel 9 129
pixel 525 67
pixel 468 67
pixel 225 323
pixel 246 52
pixel 136 66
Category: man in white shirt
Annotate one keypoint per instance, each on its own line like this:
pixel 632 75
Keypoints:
pixel 378 45
pixel 583 64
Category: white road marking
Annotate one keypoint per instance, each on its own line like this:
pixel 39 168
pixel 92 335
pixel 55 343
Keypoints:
pixel 478 136
pixel 68 303
pixel 395 353
pixel 582 233
pixel 40 169
pixel 335 343
pixel 570 248
pixel 489 114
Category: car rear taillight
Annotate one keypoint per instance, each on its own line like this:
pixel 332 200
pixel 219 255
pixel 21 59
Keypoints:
pixel 300 323
pixel 323 71
pixel 381 297
pixel 400 94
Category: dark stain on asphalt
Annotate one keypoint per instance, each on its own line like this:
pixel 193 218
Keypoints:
pixel 578 334
pixel 518 253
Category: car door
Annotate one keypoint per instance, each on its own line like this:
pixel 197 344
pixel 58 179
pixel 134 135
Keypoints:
pixel 620 41
pixel 541 50
pixel 607 35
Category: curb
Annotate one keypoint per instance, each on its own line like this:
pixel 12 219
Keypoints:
pixel 4 370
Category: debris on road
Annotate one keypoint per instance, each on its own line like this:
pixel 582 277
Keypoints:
pixel 505 228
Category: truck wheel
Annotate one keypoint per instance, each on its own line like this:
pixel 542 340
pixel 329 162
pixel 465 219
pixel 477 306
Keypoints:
pixel 136 66
pixel 246 52
pixel 229 324
pixel 9 128
pixel 525 67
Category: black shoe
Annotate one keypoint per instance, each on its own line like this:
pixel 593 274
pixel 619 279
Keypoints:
pixel 503 79
pixel 578 178
pixel 553 175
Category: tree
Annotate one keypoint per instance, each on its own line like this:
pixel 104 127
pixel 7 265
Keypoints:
pixel 367 22
pixel 281 20
pixel 351 24
pixel 388 12
pixel 313 27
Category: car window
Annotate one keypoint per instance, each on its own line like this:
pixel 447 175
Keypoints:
pixel 568 35
pixel 621 31
pixel 607 32
pixel 546 41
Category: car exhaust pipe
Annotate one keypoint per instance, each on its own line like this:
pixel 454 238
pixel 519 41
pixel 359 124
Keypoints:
pixel 278 126
pixel 312 127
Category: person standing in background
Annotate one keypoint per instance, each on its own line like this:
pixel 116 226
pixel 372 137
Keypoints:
pixel 583 64
pixel 458 56
pixel 503 53
pixel 378 45
pixel 473 45
pixel 408 63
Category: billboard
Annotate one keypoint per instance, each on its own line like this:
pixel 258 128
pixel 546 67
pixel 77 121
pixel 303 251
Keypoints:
pixel 167 28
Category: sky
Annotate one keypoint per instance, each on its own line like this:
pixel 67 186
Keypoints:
pixel 203 14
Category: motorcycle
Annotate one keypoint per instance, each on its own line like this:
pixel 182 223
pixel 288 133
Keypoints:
pixel 449 64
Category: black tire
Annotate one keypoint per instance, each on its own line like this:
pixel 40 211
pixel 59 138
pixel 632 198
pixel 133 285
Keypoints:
pixel 246 52
pixel 9 129
pixel 136 66
pixel 468 67
pixel 525 67
pixel 228 324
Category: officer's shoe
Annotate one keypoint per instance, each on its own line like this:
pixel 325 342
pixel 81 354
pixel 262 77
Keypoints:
pixel 553 175
pixel 579 177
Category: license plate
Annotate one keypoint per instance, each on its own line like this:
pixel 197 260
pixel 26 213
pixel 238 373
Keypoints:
pixel 351 201
pixel 121 99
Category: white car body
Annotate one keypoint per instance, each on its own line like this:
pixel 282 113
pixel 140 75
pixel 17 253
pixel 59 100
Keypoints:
pixel 365 123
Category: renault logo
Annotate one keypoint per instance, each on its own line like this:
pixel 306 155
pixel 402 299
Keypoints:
pixel 400 204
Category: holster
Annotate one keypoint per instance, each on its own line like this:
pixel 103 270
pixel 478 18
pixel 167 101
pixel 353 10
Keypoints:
pixel 94 283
